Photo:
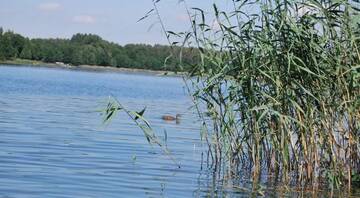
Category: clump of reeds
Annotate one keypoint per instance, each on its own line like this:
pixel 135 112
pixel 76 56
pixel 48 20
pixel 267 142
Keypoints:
pixel 282 88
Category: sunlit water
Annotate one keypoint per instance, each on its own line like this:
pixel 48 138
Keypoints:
pixel 53 142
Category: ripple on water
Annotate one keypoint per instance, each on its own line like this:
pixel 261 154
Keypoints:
pixel 53 143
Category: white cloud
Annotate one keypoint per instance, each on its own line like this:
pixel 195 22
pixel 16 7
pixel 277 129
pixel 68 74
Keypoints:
pixel 51 6
pixel 86 19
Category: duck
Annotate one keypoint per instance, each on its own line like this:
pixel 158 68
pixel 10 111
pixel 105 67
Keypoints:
pixel 171 118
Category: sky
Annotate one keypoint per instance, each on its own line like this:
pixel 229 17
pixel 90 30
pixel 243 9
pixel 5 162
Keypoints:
pixel 113 20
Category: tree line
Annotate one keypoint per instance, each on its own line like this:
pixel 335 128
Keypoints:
pixel 90 49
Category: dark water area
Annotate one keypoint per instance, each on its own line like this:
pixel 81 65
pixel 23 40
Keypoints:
pixel 53 142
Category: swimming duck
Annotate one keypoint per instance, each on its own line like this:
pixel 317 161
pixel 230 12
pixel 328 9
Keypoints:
pixel 171 118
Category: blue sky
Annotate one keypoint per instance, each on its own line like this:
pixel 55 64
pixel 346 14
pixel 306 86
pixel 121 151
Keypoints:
pixel 114 20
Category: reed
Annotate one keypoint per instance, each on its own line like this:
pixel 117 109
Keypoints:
pixel 114 107
pixel 282 86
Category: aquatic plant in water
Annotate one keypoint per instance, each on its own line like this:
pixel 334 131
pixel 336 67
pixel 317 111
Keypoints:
pixel 114 106
pixel 281 85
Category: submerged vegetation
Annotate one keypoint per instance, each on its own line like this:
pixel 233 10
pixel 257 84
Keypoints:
pixel 89 49
pixel 281 85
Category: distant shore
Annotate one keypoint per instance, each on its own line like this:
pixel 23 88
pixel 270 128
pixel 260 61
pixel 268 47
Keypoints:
pixel 32 63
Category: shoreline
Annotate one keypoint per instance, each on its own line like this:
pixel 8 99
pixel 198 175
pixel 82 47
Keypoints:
pixel 94 68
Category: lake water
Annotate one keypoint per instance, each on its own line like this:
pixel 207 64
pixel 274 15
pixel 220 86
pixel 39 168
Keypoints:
pixel 53 142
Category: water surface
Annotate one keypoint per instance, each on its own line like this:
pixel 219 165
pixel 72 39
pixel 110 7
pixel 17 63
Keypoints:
pixel 53 143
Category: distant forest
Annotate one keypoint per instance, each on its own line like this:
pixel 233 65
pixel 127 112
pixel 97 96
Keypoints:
pixel 90 49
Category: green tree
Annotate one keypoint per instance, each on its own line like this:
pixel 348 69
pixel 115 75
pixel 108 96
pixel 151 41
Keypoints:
pixel 26 52
pixel 88 49
pixel 7 48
